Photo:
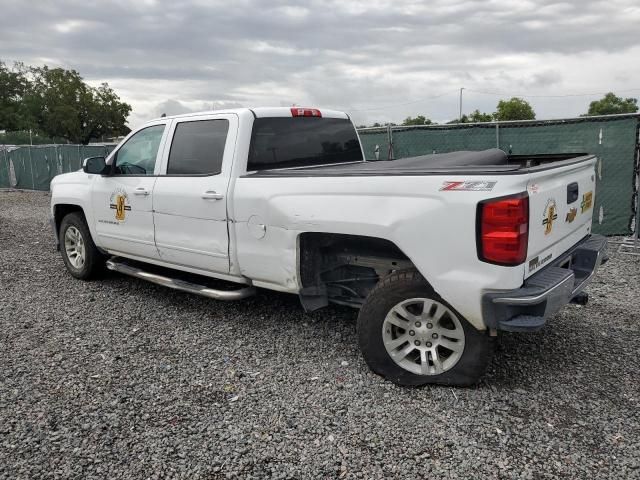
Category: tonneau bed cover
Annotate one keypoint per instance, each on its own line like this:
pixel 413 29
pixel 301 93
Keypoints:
pixel 472 162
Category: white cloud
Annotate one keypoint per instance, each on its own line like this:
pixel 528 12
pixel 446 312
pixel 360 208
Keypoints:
pixel 382 60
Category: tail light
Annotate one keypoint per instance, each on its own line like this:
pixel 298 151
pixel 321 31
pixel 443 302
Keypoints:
pixel 503 230
pixel 305 112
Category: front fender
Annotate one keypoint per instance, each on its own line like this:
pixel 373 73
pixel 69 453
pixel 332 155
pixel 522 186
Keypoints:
pixel 74 189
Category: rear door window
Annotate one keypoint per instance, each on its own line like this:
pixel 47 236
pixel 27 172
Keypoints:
pixel 302 141
pixel 198 147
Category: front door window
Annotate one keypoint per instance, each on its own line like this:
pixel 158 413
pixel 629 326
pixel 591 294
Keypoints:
pixel 138 155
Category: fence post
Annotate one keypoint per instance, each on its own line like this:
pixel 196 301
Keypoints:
pixel 390 141
pixel 6 166
pixel 24 169
pixel 635 208
pixel 497 135
pixel 33 182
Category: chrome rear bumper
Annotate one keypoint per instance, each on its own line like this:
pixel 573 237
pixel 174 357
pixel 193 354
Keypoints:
pixel 543 294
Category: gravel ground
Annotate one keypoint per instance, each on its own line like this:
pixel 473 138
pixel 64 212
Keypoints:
pixel 122 379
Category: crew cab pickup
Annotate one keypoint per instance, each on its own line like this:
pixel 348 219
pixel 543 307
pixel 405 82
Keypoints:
pixel 439 252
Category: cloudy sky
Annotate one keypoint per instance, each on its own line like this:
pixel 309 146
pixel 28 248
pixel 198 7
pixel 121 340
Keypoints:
pixel 379 60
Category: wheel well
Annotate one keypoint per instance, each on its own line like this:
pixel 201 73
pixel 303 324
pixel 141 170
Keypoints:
pixel 62 210
pixel 343 268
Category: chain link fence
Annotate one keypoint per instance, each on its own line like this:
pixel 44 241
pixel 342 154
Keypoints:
pixel 613 138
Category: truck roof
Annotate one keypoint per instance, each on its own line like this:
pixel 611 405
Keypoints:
pixel 261 112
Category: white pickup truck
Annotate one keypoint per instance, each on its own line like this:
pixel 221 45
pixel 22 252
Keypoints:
pixel 438 252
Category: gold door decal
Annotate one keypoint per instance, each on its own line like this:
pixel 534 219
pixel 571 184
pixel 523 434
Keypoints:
pixel 120 207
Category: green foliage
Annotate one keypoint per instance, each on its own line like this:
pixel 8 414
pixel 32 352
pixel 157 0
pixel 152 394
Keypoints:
pixel 611 104
pixel 58 103
pixel 69 108
pixel 419 120
pixel 463 119
pixel 14 87
pixel 23 137
pixel 514 109
pixel 474 117
pixel 477 116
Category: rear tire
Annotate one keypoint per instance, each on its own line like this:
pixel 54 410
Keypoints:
pixel 409 335
pixel 80 255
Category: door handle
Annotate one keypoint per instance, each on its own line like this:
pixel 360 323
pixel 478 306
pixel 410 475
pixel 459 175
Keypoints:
pixel 211 195
pixel 141 191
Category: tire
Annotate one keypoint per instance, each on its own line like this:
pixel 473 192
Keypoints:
pixel 73 236
pixel 458 356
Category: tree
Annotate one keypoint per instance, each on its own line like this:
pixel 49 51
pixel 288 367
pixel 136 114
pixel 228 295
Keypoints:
pixel 378 124
pixel 463 119
pixel 419 120
pixel 65 106
pixel 474 117
pixel 477 116
pixel 58 103
pixel 110 114
pixel 610 104
pixel 514 109
pixel 14 85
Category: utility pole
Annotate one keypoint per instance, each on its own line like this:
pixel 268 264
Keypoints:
pixel 460 116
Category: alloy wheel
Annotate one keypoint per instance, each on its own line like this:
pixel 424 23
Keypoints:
pixel 423 336
pixel 74 247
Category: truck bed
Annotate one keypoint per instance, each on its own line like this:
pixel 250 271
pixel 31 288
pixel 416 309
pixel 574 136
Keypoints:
pixel 464 162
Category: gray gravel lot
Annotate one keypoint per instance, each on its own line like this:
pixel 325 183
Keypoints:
pixel 122 379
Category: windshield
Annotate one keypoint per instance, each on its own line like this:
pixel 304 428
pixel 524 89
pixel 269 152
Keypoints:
pixel 302 141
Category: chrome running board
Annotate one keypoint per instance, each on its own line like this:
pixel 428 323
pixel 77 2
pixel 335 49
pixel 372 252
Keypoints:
pixel 178 284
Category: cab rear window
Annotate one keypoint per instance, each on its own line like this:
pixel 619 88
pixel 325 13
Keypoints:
pixel 302 141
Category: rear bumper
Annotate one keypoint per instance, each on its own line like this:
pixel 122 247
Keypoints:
pixel 543 294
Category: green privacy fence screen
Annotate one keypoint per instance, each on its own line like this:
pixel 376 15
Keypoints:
pixel 33 167
pixel 614 139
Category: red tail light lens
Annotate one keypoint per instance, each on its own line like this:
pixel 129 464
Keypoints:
pixel 503 230
pixel 305 112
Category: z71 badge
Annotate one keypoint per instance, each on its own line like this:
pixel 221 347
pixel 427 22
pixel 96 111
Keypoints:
pixel 468 186
pixel 550 216
pixel 119 202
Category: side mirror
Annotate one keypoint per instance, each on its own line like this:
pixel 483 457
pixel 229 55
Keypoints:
pixel 95 165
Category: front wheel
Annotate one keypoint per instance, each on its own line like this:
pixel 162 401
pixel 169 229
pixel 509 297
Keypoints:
pixel 80 255
pixel 409 335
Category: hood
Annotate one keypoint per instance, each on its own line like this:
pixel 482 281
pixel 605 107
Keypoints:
pixel 72 177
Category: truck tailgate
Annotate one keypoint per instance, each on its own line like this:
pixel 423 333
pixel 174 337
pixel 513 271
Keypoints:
pixel 560 209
